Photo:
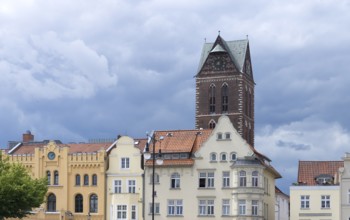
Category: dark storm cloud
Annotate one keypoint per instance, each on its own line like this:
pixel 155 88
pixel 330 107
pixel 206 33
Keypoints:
pixel 295 146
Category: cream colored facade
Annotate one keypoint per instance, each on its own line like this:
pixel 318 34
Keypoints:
pixel 62 168
pixel 306 202
pixel 211 187
pixel 345 188
pixel 124 181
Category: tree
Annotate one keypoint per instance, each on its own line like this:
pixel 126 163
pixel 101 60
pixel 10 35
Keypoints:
pixel 19 192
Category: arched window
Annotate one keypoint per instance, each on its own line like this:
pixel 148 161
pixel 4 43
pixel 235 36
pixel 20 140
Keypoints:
pixel 224 98
pixel 255 178
pixel 242 178
pixel 55 178
pixel 213 157
pixel 93 203
pixel 79 203
pixel 212 98
pixel 233 156
pixel 212 124
pixel 156 178
pixel 175 180
pixel 77 180
pixel 94 180
pixel 223 157
pixel 51 203
pixel 86 180
pixel 48 176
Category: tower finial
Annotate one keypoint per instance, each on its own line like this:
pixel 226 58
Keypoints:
pixel 247 36
pixel 205 40
pixel 219 32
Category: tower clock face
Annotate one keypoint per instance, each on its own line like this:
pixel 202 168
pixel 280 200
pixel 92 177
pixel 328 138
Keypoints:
pixel 219 63
pixel 51 155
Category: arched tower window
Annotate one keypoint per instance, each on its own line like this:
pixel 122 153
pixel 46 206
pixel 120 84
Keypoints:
pixel 224 98
pixel 212 98
pixel 94 180
pixel 93 203
pixel 212 124
pixel 51 203
pixel 86 180
pixel 79 203
pixel 77 180
pixel 48 176
pixel 55 178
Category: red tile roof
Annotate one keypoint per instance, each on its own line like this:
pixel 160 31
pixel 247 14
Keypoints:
pixel 308 170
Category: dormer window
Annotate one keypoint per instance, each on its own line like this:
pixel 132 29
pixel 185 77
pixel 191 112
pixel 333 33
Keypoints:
pixel 324 179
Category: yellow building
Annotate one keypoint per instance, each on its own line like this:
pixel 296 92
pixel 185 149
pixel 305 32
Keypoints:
pixel 125 180
pixel 75 174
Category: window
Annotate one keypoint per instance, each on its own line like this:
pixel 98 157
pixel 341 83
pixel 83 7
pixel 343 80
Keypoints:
pixel 254 207
pixel 79 203
pixel 175 207
pixel 242 178
pixel 175 180
pixel 304 202
pixel 325 202
pixel 86 180
pixel 206 179
pixel 223 157
pixel 226 179
pixel 48 176
pixel 133 212
pixel 206 207
pixel 255 178
pixel 224 98
pixel 131 186
pixel 77 180
pixel 219 136
pixel 212 124
pixel 233 156
pixel 242 207
pixel 125 163
pixel 227 136
pixel 121 212
pixel 156 178
pixel 117 186
pixel 213 157
pixel 156 208
pixel 94 180
pixel 51 203
pixel 55 178
pixel 225 207
pixel 93 203
pixel 212 98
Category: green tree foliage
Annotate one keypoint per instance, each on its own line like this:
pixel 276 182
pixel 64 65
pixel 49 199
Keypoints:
pixel 19 192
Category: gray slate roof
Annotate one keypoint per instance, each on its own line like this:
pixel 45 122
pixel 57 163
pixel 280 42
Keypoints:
pixel 237 51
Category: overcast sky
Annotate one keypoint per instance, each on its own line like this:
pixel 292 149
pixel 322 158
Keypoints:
pixel 77 70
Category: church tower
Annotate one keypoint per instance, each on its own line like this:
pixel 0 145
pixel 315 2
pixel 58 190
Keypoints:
pixel 225 85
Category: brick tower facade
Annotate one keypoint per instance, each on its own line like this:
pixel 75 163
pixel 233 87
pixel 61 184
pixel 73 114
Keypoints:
pixel 225 85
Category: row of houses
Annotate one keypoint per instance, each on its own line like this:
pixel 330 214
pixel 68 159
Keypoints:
pixel 205 173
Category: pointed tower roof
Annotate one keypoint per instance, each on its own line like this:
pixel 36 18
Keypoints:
pixel 237 50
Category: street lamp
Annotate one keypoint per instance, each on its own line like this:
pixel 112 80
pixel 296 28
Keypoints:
pixel 147 155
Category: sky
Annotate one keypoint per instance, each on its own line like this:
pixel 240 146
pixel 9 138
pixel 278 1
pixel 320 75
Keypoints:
pixel 83 69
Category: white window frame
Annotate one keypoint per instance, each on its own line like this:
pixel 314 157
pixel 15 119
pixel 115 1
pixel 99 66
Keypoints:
pixel 242 178
pixel 242 207
pixel 156 208
pixel 223 156
pixel 304 201
pixel 117 186
pixel 175 181
pixel 325 201
pixel 226 206
pixel 255 179
pixel 125 163
pixel 122 212
pixel 226 179
pixel 175 207
pixel 213 157
pixel 208 178
pixel 131 186
pixel 255 207
pixel 206 207
pixel 231 156
pixel 133 212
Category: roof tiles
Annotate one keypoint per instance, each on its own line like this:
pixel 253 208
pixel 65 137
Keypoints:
pixel 308 170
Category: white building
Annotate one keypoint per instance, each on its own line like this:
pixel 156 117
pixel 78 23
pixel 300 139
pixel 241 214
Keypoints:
pixel 210 173
pixel 282 205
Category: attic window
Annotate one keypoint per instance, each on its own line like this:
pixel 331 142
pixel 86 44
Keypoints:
pixel 324 179
pixel 219 136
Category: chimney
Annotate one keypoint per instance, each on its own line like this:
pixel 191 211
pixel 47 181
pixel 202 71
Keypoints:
pixel 28 137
